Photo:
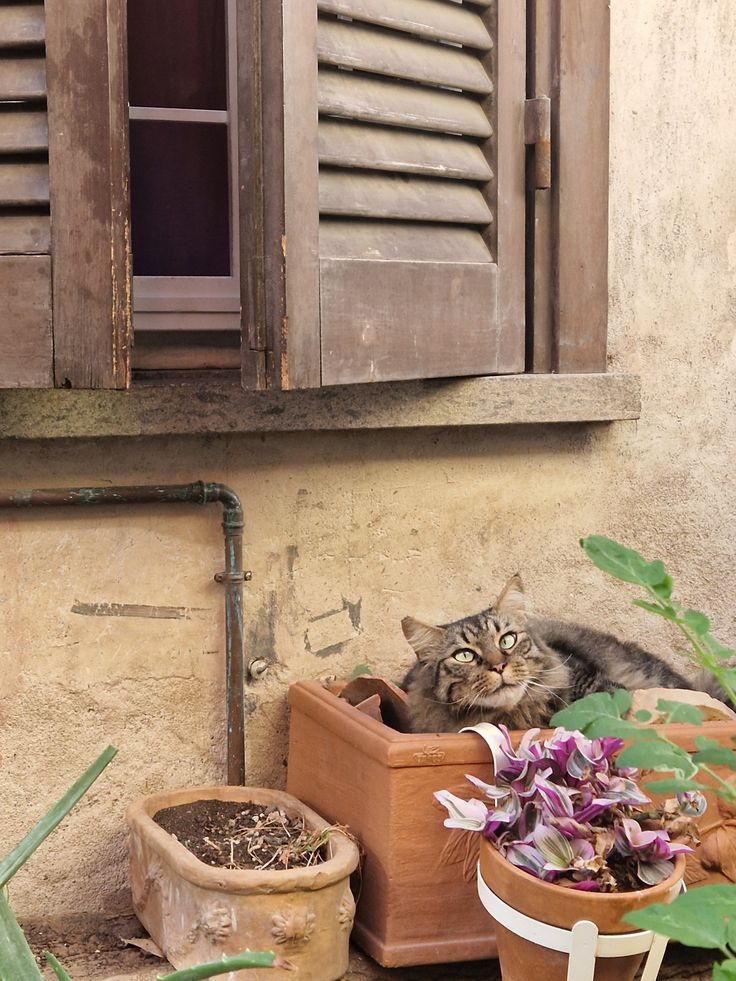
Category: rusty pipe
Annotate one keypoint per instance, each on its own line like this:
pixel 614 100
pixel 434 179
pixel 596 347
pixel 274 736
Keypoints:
pixel 232 577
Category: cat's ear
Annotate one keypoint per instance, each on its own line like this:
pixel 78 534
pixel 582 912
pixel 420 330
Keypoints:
pixel 512 602
pixel 424 639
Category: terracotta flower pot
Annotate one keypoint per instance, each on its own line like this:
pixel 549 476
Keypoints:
pixel 521 959
pixel 196 912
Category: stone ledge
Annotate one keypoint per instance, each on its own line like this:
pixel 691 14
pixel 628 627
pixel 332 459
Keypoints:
pixel 189 409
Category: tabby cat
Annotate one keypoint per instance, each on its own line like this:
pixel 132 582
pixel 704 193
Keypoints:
pixel 505 665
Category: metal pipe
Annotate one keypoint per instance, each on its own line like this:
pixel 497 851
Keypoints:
pixel 232 578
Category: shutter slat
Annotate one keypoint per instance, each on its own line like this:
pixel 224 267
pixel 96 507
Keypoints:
pixel 375 100
pixel 22 132
pixel 23 183
pixel 22 79
pixel 378 148
pixel 21 25
pixel 423 18
pixel 24 234
pixel 348 239
pixel 350 45
pixel 413 199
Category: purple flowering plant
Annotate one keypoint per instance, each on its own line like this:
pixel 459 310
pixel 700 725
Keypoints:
pixel 561 810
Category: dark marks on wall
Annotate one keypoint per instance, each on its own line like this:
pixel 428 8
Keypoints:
pixel 328 633
pixel 261 641
pixel 135 610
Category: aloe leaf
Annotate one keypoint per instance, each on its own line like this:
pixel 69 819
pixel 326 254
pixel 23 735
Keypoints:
pixel 56 966
pixel 17 962
pixel 25 848
pixel 237 962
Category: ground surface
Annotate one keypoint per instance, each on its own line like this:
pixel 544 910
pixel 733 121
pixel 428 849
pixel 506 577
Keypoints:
pixel 94 951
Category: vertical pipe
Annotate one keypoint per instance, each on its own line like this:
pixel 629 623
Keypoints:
pixel 232 579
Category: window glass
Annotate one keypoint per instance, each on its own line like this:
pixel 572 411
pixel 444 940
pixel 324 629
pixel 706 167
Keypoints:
pixel 177 54
pixel 179 173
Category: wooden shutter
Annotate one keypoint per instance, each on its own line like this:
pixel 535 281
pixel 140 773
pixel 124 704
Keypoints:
pixel 26 349
pixel 88 158
pixel 404 189
pixel 64 251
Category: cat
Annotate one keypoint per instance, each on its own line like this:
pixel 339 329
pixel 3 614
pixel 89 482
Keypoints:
pixel 505 665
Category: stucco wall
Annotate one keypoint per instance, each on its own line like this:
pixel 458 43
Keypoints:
pixel 346 533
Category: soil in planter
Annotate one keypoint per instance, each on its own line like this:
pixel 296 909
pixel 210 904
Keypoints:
pixel 235 835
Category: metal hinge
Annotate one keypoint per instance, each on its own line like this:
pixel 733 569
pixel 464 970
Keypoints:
pixel 537 130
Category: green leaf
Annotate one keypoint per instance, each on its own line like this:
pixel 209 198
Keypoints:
pixel 586 710
pixel 680 712
pixel 662 611
pixel 622 701
pixel 718 650
pixel 663 589
pixel 248 958
pixel 697 622
pixel 701 918
pixel 56 966
pixel 726 971
pixel 626 564
pixel 17 962
pixel 711 751
pixel 25 848
pixel 657 754
pixel 674 785
pixel 642 715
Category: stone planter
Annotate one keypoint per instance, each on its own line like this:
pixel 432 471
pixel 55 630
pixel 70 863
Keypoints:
pixel 197 913
pixel 415 906
pixel 521 959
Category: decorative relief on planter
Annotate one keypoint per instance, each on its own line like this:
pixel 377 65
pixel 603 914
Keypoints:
pixel 141 885
pixel 347 911
pixel 217 924
pixel 430 756
pixel 293 928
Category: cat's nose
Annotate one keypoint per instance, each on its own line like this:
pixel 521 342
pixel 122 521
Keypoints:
pixel 499 667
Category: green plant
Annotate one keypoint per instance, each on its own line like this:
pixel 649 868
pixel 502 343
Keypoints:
pixel 17 962
pixel 707 917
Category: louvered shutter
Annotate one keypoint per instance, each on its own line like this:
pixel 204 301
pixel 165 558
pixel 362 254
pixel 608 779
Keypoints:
pixel 26 349
pixel 64 279
pixel 420 190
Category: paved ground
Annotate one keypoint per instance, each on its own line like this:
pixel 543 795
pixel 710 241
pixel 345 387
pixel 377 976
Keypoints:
pixel 96 952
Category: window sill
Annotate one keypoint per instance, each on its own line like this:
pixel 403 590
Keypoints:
pixel 188 409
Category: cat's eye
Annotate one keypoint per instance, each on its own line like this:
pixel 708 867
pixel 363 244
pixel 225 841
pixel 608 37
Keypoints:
pixel 507 641
pixel 464 656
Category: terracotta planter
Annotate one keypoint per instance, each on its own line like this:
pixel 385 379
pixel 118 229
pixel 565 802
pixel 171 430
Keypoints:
pixel 521 959
pixel 196 913
pixel 415 907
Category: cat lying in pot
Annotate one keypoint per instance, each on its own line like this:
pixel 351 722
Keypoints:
pixel 507 666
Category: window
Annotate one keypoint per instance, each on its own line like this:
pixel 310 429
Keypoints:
pixel 370 218
pixel 182 85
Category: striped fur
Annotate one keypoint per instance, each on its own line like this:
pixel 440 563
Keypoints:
pixel 505 665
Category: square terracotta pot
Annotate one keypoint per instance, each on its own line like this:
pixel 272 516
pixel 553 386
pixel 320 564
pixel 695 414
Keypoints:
pixel 414 905
pixel 196 912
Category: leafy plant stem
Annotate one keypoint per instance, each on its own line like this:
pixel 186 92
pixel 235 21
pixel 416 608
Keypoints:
pixel 728 792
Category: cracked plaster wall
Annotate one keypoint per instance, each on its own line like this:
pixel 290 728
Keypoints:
pixel 348 532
